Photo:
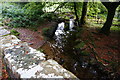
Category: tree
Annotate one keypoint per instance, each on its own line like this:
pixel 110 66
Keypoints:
pixel 111 7
pixel 76 14
pixel 60 6
pixel 84 12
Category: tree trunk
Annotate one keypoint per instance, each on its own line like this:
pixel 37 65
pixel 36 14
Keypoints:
pixel 111 7
pixel 75 9
pixel 106 28
pixel 84 12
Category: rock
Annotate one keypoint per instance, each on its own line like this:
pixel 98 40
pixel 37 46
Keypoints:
pixel 30 43
pixel 26 62
pixel 3 32
pixel 51 69
pixel 1 27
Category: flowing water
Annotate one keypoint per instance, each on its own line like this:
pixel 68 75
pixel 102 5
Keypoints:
pixel 62 49
pixel 71 24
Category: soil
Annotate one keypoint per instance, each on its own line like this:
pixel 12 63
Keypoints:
pixel 33 36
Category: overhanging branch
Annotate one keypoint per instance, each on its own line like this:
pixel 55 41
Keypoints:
pixel 60 6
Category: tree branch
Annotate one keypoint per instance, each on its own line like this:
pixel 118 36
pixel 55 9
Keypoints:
pixel 107 4
pixel 115 4
pixel 61 5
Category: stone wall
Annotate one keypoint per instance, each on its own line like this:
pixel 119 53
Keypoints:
pixel 26 62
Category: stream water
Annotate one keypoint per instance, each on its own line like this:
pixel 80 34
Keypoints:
pixel 62 49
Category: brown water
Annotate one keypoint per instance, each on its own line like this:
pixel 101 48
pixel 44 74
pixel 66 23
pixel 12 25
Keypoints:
pixel 84 67
pixel 66 61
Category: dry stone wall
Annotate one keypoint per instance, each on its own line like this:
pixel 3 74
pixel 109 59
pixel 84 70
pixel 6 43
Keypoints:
pixel 26 62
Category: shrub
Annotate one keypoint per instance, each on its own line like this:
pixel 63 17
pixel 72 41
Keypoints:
pixel 49 16
pixel 34 10
pixel 28 15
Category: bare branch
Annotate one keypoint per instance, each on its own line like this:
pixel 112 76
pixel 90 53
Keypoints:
pixel 115 4
pixel 107 4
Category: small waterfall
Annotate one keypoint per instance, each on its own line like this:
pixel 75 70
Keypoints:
pixel 60 29
pixel 59 34
pixel 71 24
pixel 61 26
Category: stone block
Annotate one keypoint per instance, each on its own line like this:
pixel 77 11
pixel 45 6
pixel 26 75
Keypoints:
pixel 27 63
pixel 9 41
pixel 22 57
pixel 3 32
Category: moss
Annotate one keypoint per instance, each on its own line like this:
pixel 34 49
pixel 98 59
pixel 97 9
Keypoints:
pixel 84 53
pixel 41 50
pixel 80 45
pixel 49 32
pixel 45 31
pixel 14 32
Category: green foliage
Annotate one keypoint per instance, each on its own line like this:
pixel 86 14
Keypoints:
pixel 80 45
pixel 115 28
pixel 41 50
pixel 49 16
pixel 34 10
pixel 14 32
pixel 79 8
pixel 84 53
pixel 28 15
pixel 93 9
pixel 45 31
pixel 96 9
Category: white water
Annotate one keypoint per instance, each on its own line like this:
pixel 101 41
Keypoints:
pixel 60 29
pixel 60 33
pixel 71 24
